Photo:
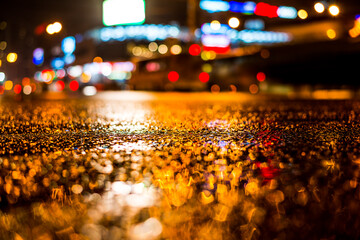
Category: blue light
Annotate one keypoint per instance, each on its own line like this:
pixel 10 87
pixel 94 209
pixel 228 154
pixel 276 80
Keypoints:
pixel 254 24
pixel 69 59
pixel 206 29
pixel 214 6
pixel 242 7
pixel 287 12
pixel 38 56
pixel 68 45
pixel 57 63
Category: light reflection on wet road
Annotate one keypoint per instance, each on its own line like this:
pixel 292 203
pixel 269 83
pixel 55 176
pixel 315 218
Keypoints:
pixel 133 165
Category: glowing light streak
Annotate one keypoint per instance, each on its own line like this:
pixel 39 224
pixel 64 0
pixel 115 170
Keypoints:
pixel 266 10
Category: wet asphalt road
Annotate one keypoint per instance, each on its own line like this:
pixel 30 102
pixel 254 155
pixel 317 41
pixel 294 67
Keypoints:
pixel 134 165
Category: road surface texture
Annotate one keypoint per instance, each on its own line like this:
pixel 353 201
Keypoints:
pixel 136 165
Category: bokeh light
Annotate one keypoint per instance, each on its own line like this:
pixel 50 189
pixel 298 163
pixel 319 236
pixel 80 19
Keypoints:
pixel 175 49
pixel 302 14
pixel 215 25
pixel 74 85
pixel 204 77
pixel 319 7
pixel 234 22
pixel 27 90
pixel 331 33
pixel 253 89
pixel 260 76
pixel 194 50
pixel 2 76
pixel 17 89
pixel 173 76
pixel 8 85
pixel 334 10
pixel 12 57
pixel 163 49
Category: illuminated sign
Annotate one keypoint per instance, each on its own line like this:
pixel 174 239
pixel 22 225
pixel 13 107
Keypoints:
pixel 215 41
pixel 267 37
pixel 214 6
pixel 150 32
pixel 123 12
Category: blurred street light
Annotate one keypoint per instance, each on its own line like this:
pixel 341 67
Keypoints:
pixel 319 7
pixel 302 14
pixel 12 57
pixel 54 28
pixel 334 10
pixel 234 22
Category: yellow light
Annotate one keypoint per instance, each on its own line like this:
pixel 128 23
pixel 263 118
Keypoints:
pixel 215 25
pixel 153 46
pixel 331 33
pixel 12 57
pixel 8 85
pixel 98 59
pixel 53 28
pixel 0 62
pixel 334 10
pixel 302 14
pixel 319 7
pixel 175 49
pixel 50 29
pixel 3 45
pixel 234 22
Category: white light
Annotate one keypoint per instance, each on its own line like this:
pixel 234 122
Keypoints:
pixel 27 89
pixel 334 10
pixel 175 49
pixel 106 68
pixel 2 76
pixel 163 49
pixel 89 91
pixel 75 71
pixel 117 12
pixel 56 27
pixel 215 41
pixel 287 12
pixel 215 25
pixel 234 22
pixel 153 46
pixel 120 188
pixel 319 7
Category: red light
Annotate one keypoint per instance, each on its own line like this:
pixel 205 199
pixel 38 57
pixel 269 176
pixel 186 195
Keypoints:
pixel 60 85
pixel 204 77
pixel 260 76
pixel 219 50
pixel 173 76
pixel 266 10
pixel 74 85
pixel 194 50
pixel 1 90
pixel 17 88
